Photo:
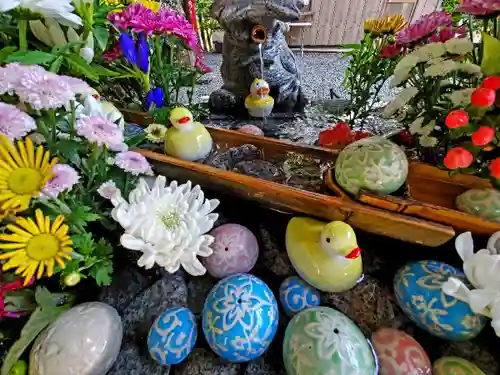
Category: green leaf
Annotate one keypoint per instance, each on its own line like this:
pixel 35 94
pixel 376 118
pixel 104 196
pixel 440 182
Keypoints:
pixel 6 52
pixel 105 72
pixel 103 248
pixel 101 34
pixel 84 243
pixel 136 140
pixel 102 272
pixel 68 149
pixel 66 47
pixel 56 64
pixel 32 57
pixel 81 215
pixel 80 66
pixel 490 65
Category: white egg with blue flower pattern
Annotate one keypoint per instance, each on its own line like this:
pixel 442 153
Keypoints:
pixel 172 336
pixel 240 318
pixel 297 295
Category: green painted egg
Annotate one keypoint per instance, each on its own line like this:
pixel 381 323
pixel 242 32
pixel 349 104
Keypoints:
pixel 483 203
pixel 321 340
pixel 455 366
pixel 374 164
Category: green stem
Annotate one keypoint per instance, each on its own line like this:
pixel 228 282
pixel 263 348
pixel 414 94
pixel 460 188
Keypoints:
pixel 471 34
pixel 72 121
pixel 125 184
pixel 52 117
pixel 23 31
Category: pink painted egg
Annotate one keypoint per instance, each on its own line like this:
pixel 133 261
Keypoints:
pixel 400 354
pixel 235 250
pixel 251 129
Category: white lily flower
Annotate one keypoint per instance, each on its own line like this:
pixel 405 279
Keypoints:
pixel 61 10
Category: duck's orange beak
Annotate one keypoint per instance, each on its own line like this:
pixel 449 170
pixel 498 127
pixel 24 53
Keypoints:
pixel 263 91
pixel 184 120
pixel 356 253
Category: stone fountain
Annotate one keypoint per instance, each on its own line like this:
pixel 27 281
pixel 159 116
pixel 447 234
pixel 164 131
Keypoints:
pixel 255 47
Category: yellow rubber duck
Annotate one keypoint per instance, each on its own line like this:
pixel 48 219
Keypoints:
pixel 187 139
pixel 259 103
pixel 326 255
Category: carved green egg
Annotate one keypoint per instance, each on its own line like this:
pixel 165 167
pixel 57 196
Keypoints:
pixel 374 164
pixel 455 366
pixel 483 203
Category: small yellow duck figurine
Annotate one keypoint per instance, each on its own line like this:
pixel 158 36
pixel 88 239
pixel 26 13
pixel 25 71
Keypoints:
pixel 259 103
pixel 187 139
pixel 326 255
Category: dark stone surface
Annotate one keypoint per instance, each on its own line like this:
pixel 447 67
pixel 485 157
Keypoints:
pixel 135 360
pixel 204 362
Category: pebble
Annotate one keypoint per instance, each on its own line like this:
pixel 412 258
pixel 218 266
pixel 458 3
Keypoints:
pixel 273 256
pixel 198 289
pixel 133 360
pixel 204 362
pixel 266 366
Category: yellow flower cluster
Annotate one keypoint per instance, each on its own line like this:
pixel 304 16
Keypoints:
pixel 384 26
pixel 118 4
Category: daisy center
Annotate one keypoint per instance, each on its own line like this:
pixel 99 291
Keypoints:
pixel 42 247
pixel 24 181
pixel 170 220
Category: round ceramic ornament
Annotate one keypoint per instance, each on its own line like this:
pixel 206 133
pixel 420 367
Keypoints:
pixel 418 292
pixel 240 318
pixel 85 340
pixel 251 129
pixel 455 366
pixel 374 164
pixel 235 250
pixel 483 203
pixel 297 295
pixel 399 354
pixel 172 336
pixel 321 340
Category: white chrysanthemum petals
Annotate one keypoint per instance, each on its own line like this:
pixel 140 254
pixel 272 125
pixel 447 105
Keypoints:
pixel 132 243
pixel 429 52
pixel 461 98
pixel 441 68
pixel 457 46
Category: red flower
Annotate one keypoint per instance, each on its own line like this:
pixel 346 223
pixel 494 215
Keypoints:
pixel 483 97
pixel 458 157
pixel 360 135
pixel 483 136
pixel 406 138
pixel 390 51
pixel 114 53
pixel 457 119
pixel 494 168
pixel 339 135
pixel 492 83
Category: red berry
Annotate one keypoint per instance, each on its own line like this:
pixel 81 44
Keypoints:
pixel 492 82
pixel 457 119
pixel 483 136
pixel 494 168
pixel 458 157
pixel 483 97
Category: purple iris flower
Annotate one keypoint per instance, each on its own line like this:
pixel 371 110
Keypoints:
pixel 156 97
pixel 127 45
pixel 143 53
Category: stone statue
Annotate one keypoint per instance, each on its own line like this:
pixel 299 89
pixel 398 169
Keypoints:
pixel 248 23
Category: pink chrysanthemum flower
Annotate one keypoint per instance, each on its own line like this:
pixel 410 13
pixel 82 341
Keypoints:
pixel 108 190
pixel 479 7
pixel 134 163
pixel 78 86
pixel 98 130
pixel 131 15
pixel 66 177
pixel 424 28
pixel 14 123
pixel 446 33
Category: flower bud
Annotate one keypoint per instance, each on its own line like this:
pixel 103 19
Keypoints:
pixel 72 279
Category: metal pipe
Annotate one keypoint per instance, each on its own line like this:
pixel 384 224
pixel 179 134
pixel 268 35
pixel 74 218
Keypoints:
pixel 259 34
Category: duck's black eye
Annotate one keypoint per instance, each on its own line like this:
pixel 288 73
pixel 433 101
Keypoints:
pixel 328 239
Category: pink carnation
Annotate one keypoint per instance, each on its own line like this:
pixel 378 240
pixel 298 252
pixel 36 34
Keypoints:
pixel 98 130
pixel 479 7
pixel 133 162
pixel 65 178
pixel 424 28
pixel 14 123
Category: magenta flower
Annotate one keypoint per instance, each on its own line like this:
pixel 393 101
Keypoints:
pixel 133 162
pixel 479 7
pixel 446 33
pixel 14 123
pixel 66 177
pixel 98 130
pixel 130 16
pixel 424 28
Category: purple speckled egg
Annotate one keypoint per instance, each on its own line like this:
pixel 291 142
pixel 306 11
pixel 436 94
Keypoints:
pixel 235 251
pixel 251 129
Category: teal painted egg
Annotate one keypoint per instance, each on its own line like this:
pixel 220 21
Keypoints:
pixel 483 203
pixel 172 336
pixel 374 164
pixel 417 287
pixel 321 340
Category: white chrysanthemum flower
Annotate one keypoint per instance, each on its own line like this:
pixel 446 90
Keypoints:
pixel 168 224
pixel 416 126
pixel 400 76
pixel 428 141
pixel 429 52
pixel 400 101
pixel 461 98
pixel 61 10
pixel 470 68
pixel 93 107
pixel 457 46
pixel 441 69
pixel 156 133
pixel 408 62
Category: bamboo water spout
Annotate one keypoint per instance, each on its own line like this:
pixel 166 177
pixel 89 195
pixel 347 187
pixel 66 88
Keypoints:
pixel 259 34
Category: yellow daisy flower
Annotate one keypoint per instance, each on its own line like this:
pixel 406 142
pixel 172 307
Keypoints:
pixel 156 133
pixel 387 25
pixel 112 3
pixel 150 4
pixel 24 172
pixel 34 247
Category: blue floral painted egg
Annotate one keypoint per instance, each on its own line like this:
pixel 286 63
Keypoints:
pixel 240 318
pixel 172 336
pixel 297 295
pixel 417 287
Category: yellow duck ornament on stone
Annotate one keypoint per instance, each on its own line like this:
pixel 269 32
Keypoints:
pixel 326 255
pixel 187 139
pixel 259 103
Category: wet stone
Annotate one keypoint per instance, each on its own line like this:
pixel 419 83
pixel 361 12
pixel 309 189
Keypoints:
pixel 135 360
pixel 244 153
pixel 204 362
pixel 260 169
pixel 274 256
pixel 266 365
pixel 198 289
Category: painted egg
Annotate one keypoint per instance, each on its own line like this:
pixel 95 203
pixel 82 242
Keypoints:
pixel 321 340
pixel 483 203
pixel 240 318
pixel 297 295
pixel 85 340
pixel 251 129
pixel 455 366
pixel 374 164
pixel 399 354
pixel 417 287
pixel 172 336
pixel 235 250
